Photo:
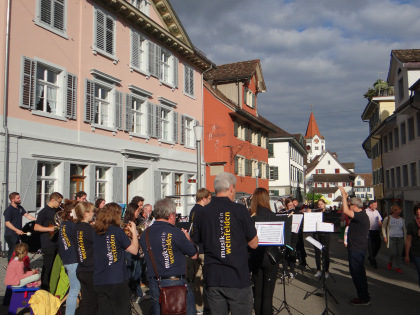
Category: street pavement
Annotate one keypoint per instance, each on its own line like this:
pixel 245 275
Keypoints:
pixel 391 293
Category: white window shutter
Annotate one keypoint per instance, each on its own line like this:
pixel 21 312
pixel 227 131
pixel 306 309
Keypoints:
pixel 28 183
pixel 66 180
pixel 71 97
pixel 151 120
pixel 89 101
pixel 158 126
pixel 154 59
pixel 176 62
pixel 176 127
pixel 128 113
pixel 118 110
pixel 157 185
pixel 135 42
pixel 183 118
pixel 100 30
pixel 109 35
pixel 117 184
pixel 28 80
pixel 59 11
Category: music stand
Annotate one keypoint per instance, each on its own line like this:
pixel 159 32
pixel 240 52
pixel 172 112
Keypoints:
pixel 327 292
pixel 286 240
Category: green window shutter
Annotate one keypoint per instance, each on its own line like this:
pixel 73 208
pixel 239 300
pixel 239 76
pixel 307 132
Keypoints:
pixel 245 94
pixel 236 164
pixel 270 150
pixel 246 134
pixel 259 169
pixel 253 100
pixel 276 173
pixel 267 171
pixel 235 128
pixel 89 101
pixel 71 96
pixel 118 110
pixel 276 192
pixel 259 139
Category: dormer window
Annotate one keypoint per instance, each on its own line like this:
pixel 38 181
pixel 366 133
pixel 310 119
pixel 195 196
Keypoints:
pixel 249 97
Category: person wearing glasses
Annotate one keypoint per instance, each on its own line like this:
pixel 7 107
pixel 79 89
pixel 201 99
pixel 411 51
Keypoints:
pixel 357 246
pixel 45 223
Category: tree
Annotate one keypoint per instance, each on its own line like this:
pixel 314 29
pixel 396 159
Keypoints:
pixel 311 198
pixel 380 88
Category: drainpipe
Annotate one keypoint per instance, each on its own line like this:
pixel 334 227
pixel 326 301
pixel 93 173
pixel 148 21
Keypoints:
pixel 6 130
pixel 202 119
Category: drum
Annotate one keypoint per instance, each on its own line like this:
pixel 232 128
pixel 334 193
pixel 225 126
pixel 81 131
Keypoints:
pixel 34 240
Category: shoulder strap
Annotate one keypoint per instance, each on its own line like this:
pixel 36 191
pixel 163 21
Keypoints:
pixel 152 258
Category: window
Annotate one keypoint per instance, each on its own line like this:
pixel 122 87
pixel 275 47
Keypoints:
pixel 139 52
pixel 103 105
pixel 136 108
pixel 48 89
pixel 400 89
pixel 398 176
pixel 164 184
pixel 77 178
pixel 249 97
pixel 410 125
pixel 320 171
pixel 254 137
pixel 101 182
pixel 163 65
pixel 388 183
pixel 191 186
pixel 385 143
pixel 403 135
pixel 396 138
pixel 188 81
pixel 405 175
pixel 390 142
pixel 254 168
pixel 270 150
pixel 392 178
pixel 104 34
pixel 240 165
pixel 274 173
pixel 359 183
pixel 263 142
pixel 141 5
pixel 187 129
pixel 51 15
pixel 164 124
pixel 337 171
pixel 413 173
pixel 45 183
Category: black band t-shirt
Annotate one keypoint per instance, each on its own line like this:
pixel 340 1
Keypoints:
pixel 83 236
pixel 169 246
pixel 46 218
pixel 357 236
pixel 66 245
pixel 225 228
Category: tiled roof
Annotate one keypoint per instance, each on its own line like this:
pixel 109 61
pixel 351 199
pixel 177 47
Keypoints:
pixel 312 128
pixel 278 132
pixel 233 71
pixel 407 55
pixel 368 178
pixel 349 165
pixel 334 178
pixel 325 190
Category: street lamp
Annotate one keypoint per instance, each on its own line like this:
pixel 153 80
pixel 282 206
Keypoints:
pixel 257 173
pixel 198 132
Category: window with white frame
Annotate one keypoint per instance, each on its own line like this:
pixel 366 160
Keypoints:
pixel 240 165
pixel 164 184
pixel 139 52
pixel 165 124
pixel 103 113
pixel 104 36
pixel 249 97
pixel 263 170
pixel 46 183
pixel 263 142
pixel 189 132
pixel 138 112
pixel 101 182
pixel 166 67
pixel 254 167
pixel 47 89
pixel 141 5
pixel 191 187
pixel 254 137
pixel 188 80
pixel 52 15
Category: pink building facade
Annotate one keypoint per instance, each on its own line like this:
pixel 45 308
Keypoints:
pixel 99 96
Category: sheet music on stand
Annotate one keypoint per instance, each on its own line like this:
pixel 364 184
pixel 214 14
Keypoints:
pixel 310 221
pixel 270 233
pixel 296 222
pixel 314 242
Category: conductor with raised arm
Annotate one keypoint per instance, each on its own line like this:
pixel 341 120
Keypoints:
pixel 226 230
pixel 357 240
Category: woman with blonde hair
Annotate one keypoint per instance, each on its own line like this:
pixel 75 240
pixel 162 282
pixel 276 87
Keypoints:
pixel 394 233
pixel 15 274
pixel 84 252
pixel 110 274
pixel 264 272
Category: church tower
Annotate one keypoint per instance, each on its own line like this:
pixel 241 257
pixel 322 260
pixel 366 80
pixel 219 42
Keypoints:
pixel 314 141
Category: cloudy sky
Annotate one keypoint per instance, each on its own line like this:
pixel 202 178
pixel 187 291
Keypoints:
pixel 326 53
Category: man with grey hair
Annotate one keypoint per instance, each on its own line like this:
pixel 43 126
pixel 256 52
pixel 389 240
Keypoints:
pixel 357 245
pixel 226 230
pixel 169 246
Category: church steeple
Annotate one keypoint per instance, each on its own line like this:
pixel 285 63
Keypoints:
pixel 312 128
pixel 315 142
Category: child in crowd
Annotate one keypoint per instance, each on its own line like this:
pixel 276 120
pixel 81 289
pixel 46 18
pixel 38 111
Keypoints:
pixel 16 275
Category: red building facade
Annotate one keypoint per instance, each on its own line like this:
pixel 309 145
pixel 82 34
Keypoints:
pixel 235 138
